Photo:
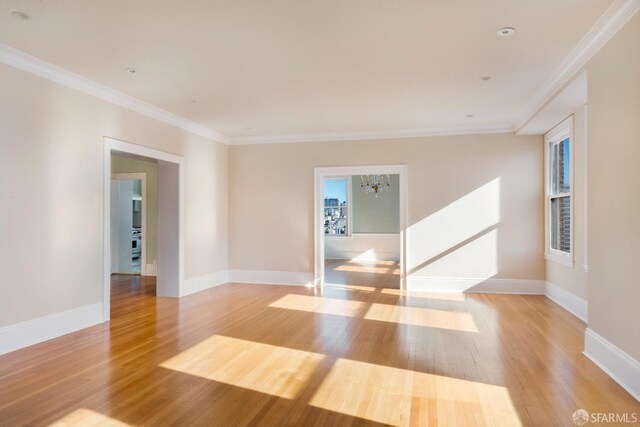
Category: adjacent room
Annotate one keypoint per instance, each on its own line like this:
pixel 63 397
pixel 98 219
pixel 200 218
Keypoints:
pixel 327 213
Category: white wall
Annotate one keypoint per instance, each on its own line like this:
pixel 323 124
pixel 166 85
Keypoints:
pixel 51 194
pixel 373 214
pixel 474 203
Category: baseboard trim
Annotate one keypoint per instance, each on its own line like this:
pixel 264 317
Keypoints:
pixel 201 283
pixel 151 270
pixel 565 299
pixel 624 369
pixel 25 334
pixel 488 286
pixel 302 278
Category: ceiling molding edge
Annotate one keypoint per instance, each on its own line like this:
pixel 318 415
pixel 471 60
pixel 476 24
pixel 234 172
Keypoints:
pixel 33 65
pixel 371 135
pixel 611 21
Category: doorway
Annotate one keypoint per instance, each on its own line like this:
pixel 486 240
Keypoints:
pixel 360 226
pixel 128 223
pixel 121 196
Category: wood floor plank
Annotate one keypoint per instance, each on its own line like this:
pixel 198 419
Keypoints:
pixel 358 353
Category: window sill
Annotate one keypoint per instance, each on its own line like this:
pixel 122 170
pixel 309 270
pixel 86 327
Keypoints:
pixel 560 259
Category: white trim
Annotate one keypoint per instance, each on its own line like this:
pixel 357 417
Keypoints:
pixel 111 145
pixel 556 135
pixel 559 257
pixel 613 19
pixel 320 173
pixel 624 369
pixel 33 65
pixel 475 285
pixel 585 265
pixel 201 283
pixel 24 334
pixel 565 299
pixel 142 176
pixel 302 278
pixel 371 135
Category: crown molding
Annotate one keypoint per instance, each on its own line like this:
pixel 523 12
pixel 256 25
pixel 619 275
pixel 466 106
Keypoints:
pixel 33 65
pixel 370 135
pixel 611 21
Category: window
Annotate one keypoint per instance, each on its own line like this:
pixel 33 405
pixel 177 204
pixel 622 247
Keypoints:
pixel 337 198
pixel 559 218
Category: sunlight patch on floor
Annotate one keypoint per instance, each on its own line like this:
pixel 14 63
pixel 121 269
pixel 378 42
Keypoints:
pixel 444 296
pixel 452 320
pixel 367 269
pixel 386 395
pixel 350 287
pixel 338 307
pixel 87 418
pixel 269 369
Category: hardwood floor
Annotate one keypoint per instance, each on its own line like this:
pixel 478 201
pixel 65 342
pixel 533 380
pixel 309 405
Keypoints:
pixel 352 354
pixel 378 274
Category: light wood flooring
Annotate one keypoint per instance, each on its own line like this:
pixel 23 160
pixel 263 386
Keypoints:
pixel 352 354
pixel 378 274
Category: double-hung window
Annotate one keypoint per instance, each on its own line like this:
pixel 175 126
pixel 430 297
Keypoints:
pixel 337 206
pixel 559 193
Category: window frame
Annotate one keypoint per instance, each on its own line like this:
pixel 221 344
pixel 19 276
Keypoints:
pixel 555 136
pixel 349 234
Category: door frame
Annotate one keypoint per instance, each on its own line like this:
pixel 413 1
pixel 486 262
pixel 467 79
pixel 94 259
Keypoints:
pixel 142 176
pixel 320 173
pixel 174 288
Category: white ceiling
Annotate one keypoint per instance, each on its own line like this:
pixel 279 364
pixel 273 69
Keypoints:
pixel 292 67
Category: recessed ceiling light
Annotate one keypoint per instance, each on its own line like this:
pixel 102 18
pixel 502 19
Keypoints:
pixel 506 31
pixel 469 115
pixel 485 78
pixel 131 70
pixel 20 15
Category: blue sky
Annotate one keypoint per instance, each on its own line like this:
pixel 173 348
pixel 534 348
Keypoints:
pixel 336 189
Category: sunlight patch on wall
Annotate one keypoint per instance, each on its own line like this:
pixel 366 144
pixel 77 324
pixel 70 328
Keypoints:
pixel 476 259
pixel 87 418
pixel 454 224
pixel 264 368
pixel 452 320
pixel 338 307
pixel 390 395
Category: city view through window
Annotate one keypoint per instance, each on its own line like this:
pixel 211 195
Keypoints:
pixel 336 207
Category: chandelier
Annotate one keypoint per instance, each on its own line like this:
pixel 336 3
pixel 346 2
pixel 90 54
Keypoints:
pixel 375 183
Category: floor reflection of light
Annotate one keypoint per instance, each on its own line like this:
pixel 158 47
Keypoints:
pixel 87 418
pixel 350 287
pixel 320 305
pixel 400 397
pixel 453 320
pixel 445 296
pixel 366 269
pixel 269 369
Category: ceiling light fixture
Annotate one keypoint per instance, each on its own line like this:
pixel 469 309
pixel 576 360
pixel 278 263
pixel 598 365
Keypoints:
pixel 375 183
pixel 469 115
pixel 20 15
pixel 506 31
pixel 485 78
pixel 131 70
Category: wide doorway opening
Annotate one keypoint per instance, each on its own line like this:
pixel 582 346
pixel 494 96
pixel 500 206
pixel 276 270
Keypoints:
pixel 360 226
pixel 143 200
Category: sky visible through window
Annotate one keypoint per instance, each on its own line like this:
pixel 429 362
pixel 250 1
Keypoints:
pixel 335 189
